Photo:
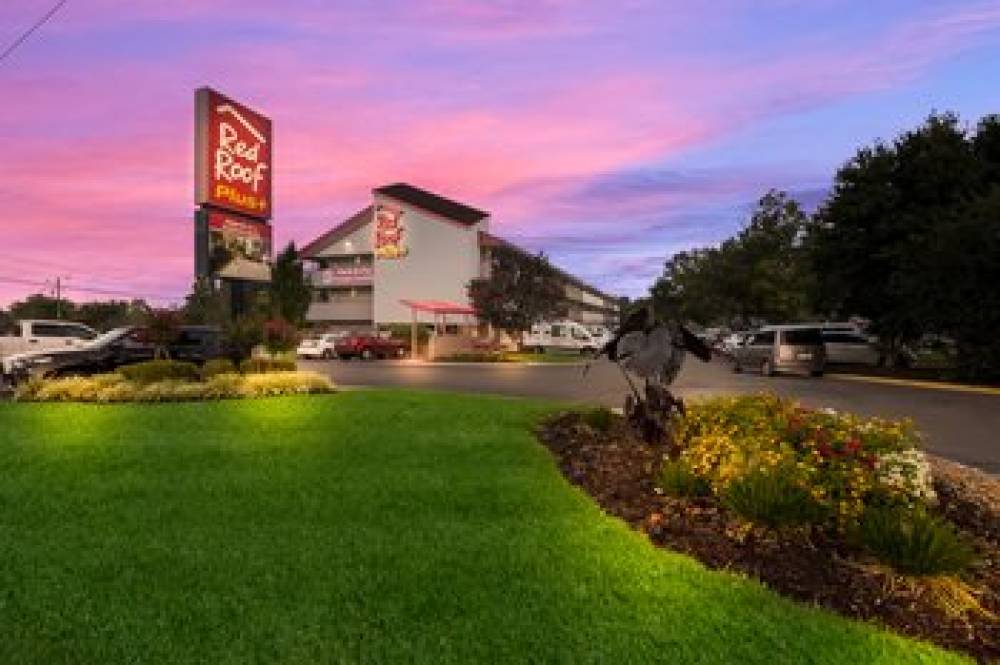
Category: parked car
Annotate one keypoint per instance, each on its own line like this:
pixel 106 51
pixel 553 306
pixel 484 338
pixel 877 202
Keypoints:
pixel 791 348
pixel 851 348
pixel 368 347
pixel 114 349
pixel 35 334
pixel 323 346
pixel 732 341
pixel 560 336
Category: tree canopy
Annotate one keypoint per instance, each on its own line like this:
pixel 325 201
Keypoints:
pixel 521 290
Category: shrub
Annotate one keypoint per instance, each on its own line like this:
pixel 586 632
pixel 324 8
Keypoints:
pixel 108 388
pixel 771 498
pixel 218 366
pixel 285 383
pixel 913 542
pixel 160 370
pixel 279 336
pixel 599 419
pixel 261 365
pixel 677 479
pixel 844 462
pixel 241 336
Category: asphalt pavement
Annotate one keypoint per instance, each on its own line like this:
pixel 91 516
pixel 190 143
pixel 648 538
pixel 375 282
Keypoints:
pixel 960 426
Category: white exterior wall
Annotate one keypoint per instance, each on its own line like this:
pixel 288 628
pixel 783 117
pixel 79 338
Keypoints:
pixel 358 242
pixel 442 258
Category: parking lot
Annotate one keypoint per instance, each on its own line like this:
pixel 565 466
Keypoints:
pixel 957 425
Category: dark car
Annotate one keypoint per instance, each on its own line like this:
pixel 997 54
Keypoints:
pixel 117 348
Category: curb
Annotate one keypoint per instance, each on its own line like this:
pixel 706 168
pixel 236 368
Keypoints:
pixel 916 383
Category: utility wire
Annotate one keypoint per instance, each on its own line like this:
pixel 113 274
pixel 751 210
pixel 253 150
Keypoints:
pixel 89 289
pixel 27 33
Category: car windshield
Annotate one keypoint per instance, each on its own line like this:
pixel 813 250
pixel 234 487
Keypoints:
pixel 803 336
pixel 109 336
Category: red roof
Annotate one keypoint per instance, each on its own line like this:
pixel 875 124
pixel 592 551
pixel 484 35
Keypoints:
pixel 438 307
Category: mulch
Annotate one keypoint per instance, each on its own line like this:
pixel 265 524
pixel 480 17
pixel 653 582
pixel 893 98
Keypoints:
pixel 620 472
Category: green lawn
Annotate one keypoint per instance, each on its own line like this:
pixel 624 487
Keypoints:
pixel 375 526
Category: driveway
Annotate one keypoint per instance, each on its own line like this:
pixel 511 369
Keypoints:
pixel 963 427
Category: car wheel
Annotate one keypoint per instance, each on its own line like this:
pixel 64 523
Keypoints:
pixel 816 373
pixel 767 367
pixel 367 354
pixel 401 352
pixel 737 367
pixel 327 354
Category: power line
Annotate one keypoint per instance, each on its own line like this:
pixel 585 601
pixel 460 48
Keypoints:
pixel 88 289
pixel 27 33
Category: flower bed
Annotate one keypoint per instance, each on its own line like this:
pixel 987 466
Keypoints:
pixel 115 387
pixel 794 497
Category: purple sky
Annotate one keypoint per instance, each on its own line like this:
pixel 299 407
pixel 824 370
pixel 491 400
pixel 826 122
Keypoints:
pixel 609 135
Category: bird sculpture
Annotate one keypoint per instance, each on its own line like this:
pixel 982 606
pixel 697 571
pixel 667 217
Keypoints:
pixel 653 350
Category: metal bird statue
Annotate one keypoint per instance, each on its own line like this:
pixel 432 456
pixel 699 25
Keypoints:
pixel 654 351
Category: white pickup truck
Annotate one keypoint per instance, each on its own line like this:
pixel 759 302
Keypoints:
pixel 560 336
pixel 36 335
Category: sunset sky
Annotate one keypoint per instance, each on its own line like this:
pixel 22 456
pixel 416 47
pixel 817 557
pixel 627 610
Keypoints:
pixel 608 134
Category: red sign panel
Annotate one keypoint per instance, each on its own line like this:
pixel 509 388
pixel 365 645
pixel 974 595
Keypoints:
pixel 232 156
pixel 389 232
pixel 343 276
pixel 238 248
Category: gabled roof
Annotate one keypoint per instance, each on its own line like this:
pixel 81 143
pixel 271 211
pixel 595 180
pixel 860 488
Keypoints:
pixel 431 202
pixel 345 228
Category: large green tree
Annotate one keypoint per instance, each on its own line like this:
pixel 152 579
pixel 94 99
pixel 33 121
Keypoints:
pixel 289 291
pixel 520 291
pixel 909 239
pixel 761 274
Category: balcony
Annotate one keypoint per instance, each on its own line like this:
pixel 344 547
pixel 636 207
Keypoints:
pixel 342 275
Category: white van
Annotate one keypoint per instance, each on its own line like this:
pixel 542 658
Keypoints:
pixel 559 336
pixel 35 335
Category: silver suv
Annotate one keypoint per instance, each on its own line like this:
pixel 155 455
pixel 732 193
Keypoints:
pixel 774 349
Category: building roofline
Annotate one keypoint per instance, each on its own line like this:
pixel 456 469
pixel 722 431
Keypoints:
pixel 431 202
pixel 490 240
pixel 348 226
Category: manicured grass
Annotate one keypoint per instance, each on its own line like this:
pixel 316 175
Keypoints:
pixel 376 526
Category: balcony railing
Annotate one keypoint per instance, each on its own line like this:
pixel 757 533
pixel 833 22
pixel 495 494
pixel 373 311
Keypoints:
pixel 346 275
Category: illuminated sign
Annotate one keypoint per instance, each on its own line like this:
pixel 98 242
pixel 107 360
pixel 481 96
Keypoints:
pixel 238 248
pixel 232 156
pixel 343 276
pixel 389 232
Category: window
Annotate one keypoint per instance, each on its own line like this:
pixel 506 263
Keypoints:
pixel 762 339
pixel 51 330
pixel 802 336
pixel 557 331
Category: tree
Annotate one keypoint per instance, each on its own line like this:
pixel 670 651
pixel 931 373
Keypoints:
pixel 290 293
pixel 759 274
pixel 105 315
pixel 909 239
pixel 162 329
pixel 279 336
pixel 521 290
pixel 40 306
pixel 204 305
pixel 6 322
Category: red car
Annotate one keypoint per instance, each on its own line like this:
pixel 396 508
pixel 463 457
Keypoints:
pixel 367 347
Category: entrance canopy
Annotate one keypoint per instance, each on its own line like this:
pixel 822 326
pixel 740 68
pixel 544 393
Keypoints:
pixel 438 307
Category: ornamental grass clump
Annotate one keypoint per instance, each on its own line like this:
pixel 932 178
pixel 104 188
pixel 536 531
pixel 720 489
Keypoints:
pixel 160 370
pixel 772 499
pixel 677 479
pixel 840 461
pixel 913 542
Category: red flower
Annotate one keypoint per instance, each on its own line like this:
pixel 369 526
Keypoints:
pixel 853 446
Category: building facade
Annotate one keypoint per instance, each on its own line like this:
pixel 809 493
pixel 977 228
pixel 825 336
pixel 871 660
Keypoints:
pixel 411 245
